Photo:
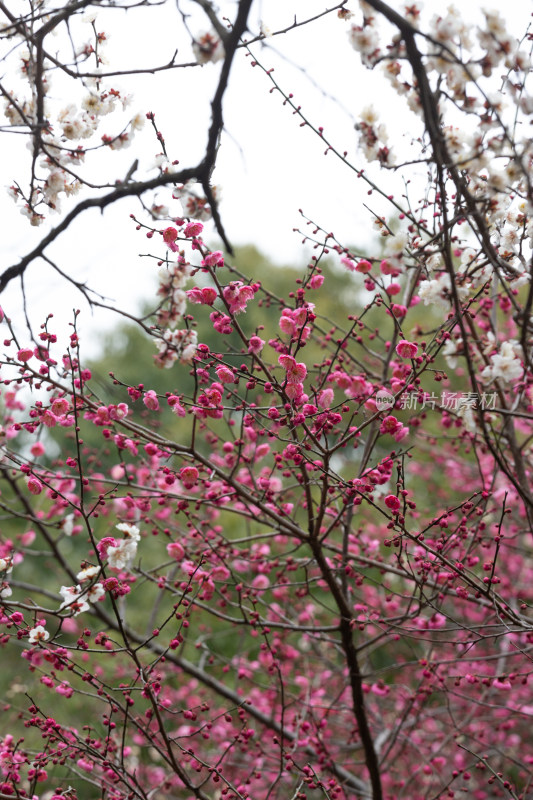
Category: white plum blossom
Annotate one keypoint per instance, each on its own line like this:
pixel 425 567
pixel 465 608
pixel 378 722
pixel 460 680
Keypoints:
pixel 448 27
pixel 137 121
pixel 495 39
pixel 366 41
pixel 175 275
pixel 208 47
pixel 73 600
pixel 76 125
pixel 38 634
pixel 87 573
pixel 467 414
pixel 95 592
pixel 194 204
pixel 72 124
pixel 395 247
pixel 506 365
pixel 6 564
pixel 176 345
pixel 495 23
pixel 179 299
pixel 95 104
pixel 471 273
pixel 67 526
pixel 452 348
pixel 34 218
pixel 436 292
pixel 520 281
pixel 369 115
pixel 122 555
pixel 510 238
pixel 159 211
pixel 456 139
pixel 526 103
pixel 90 17
pixel 5 590
pixel 457 77
pixel 189 344
pixel 373 137
pixel 160 162
pixel 497 179
pixel 130 531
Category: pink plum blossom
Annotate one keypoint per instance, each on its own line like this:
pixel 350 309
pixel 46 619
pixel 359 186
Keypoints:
pixel 406 349
pixel 150 400
pixel 205 295
pixel 295 372
pixel 34 485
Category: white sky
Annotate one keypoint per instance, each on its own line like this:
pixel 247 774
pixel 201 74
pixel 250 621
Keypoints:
pixel 268 166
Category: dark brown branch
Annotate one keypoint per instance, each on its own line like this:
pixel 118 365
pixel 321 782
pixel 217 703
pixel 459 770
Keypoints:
pixel 213 19
pixel 217 121
pixel 444 161
pixel 222 690
pixel 355 677
pixel 134 189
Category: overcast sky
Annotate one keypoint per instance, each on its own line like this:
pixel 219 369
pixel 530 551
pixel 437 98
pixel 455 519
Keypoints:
pixel 268 165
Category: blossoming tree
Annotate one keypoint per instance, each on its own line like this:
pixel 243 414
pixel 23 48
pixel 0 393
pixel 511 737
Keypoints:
pixel 307 571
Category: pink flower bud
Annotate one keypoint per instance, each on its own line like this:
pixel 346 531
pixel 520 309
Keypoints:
pixel 393 289
pixel 399 311
pixel 189 476
pixel 392 502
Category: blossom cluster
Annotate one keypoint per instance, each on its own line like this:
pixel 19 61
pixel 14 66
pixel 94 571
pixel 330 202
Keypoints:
pixel 261 573
pixel 62 135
